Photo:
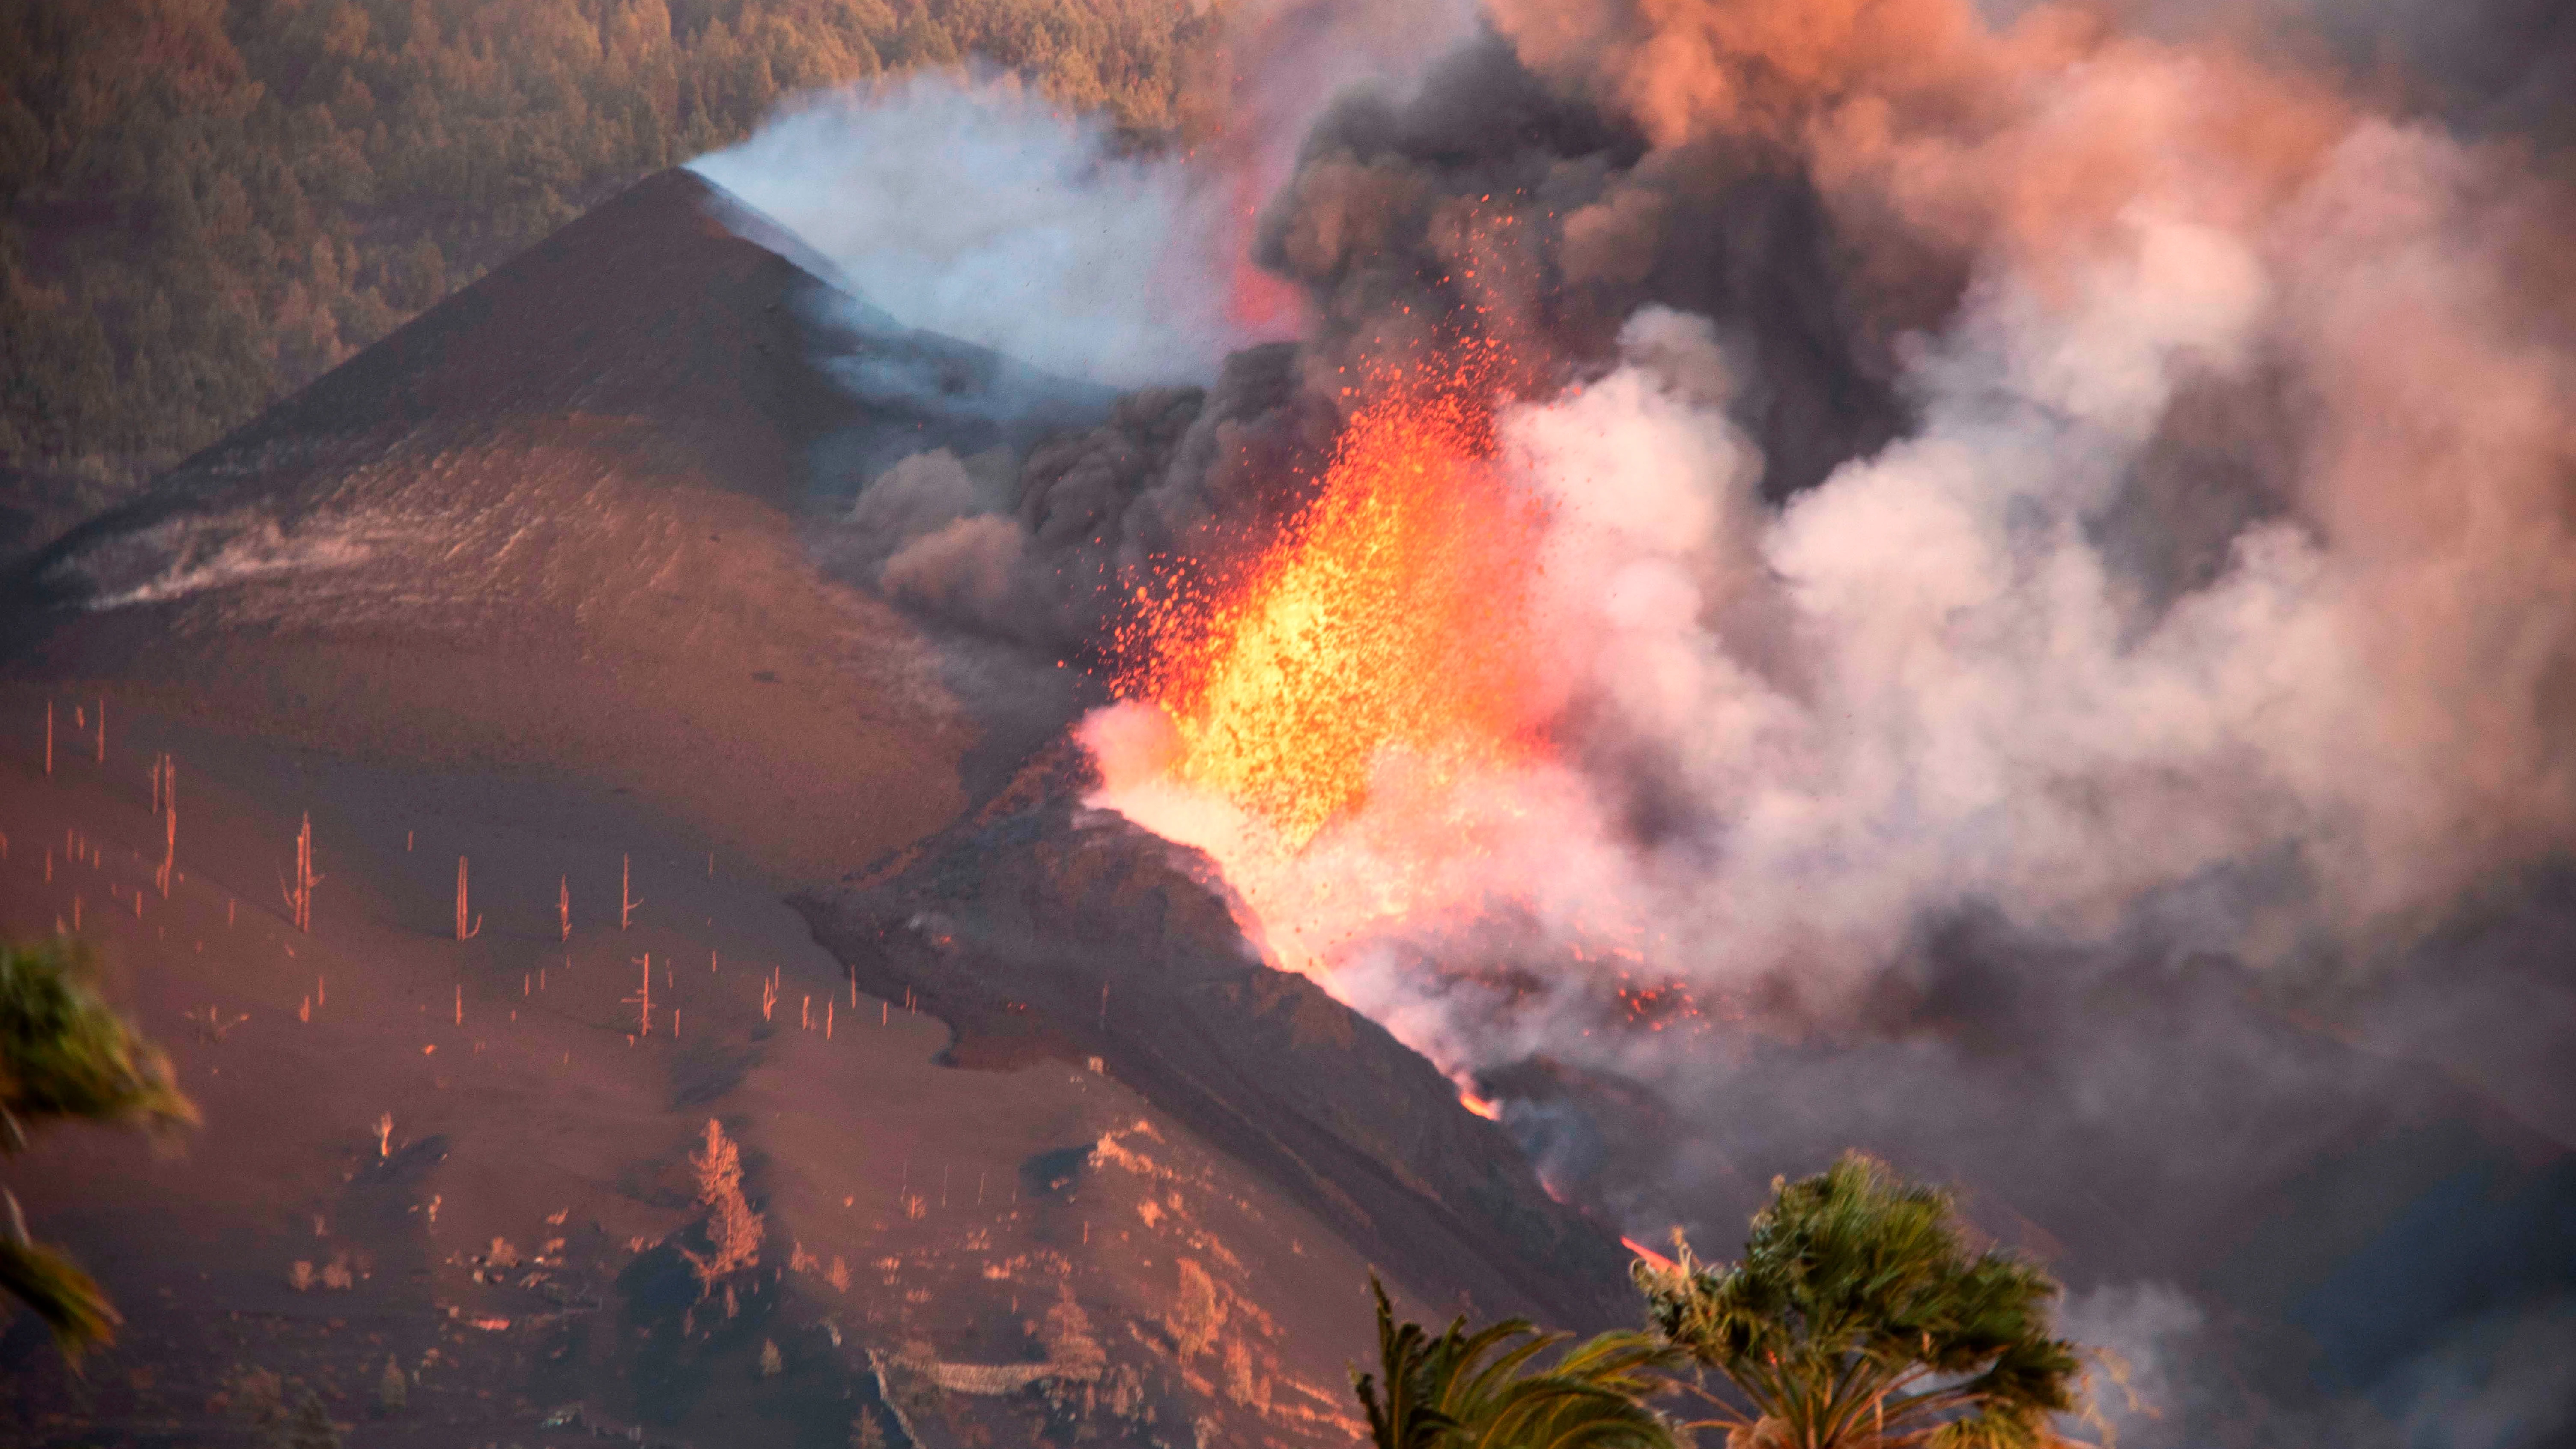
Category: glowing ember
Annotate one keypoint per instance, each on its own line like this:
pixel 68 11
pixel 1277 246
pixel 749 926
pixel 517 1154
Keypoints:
pixel 1652 1258
pixel 1355 727
pixel 1390 618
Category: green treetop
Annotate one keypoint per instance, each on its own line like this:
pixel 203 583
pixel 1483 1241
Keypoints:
pixel 1860 1319
pixel 66 1056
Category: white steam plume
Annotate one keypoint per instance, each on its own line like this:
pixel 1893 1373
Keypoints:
pixel 981 211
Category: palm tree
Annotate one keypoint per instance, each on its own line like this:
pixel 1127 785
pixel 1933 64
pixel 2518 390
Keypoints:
pixel 65 1055
pixel 1860 1320
pixel 1462 1391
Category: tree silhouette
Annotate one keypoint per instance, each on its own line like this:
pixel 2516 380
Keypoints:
pixel 733 1229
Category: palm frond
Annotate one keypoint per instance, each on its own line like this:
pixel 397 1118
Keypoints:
pixel 1457 1390
pixel 66 1055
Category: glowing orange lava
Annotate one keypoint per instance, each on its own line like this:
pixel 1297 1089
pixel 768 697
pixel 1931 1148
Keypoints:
pixel 1392 615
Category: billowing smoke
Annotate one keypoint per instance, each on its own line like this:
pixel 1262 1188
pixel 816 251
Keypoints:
pixel 2056 565
pixel 2054 534
pixel 2108 478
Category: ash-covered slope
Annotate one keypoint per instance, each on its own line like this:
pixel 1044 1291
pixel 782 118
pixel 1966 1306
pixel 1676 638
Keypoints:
pixel 670 305
pixel 1039 929
pixel 558 522
pixel 646 308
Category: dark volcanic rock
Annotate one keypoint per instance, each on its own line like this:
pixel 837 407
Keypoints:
pixel 1048 929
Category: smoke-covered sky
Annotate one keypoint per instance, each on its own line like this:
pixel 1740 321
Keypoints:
pixel 2054 616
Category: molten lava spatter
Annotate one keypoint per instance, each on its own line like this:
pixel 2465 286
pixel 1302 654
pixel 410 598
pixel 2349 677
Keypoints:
pixel 1391 617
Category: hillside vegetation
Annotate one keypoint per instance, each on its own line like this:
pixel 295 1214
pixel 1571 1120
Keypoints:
pixel 206 203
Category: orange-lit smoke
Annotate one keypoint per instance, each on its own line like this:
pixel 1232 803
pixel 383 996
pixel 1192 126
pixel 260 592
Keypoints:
pixel 1969 665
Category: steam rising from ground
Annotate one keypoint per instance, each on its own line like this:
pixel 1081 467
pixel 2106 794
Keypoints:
pixel 971 207
pixel 980 211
